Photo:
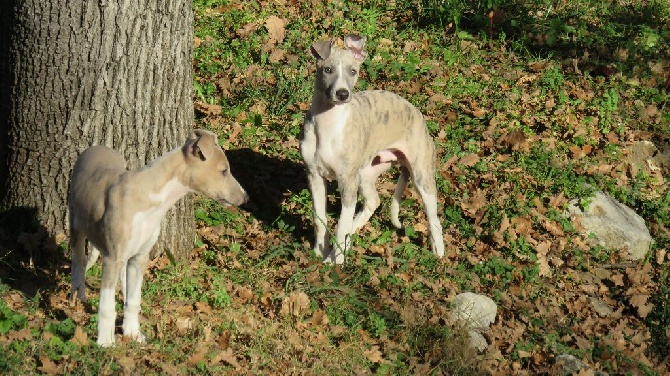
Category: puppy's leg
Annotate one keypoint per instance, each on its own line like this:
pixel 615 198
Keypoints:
pixel 92 256
pixel 317 187
pixel 133 296
pixel 111 266
pixel 371 202
pixel 77 245
pixel 424 180
pixel 348 190
pixel 397 196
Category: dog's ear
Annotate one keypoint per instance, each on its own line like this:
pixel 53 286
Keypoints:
pixel 355 44
pixel 321 49
pixel 199 144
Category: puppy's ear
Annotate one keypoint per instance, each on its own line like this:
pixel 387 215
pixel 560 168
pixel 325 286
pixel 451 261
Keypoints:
pixel 355 44
pixel 196 151
pixel 321 49
pixel 200 143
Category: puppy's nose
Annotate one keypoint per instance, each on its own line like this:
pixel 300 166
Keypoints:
pixel 342 94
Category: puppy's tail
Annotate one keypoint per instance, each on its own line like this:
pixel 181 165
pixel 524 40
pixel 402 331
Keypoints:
pixel 397 196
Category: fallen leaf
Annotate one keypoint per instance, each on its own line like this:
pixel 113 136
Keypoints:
pixel 198 355
pixel 247 29
pixel 80 337
pixel 294 304
pixel 469 160
pixel 276 31
pixel 224 340
pixel 227 356
pixel 639 301
pixel 49 367
pixel 373 354
pixel 20 335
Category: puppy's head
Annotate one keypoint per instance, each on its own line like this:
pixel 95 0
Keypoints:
pixel 337 69
pixel 208 170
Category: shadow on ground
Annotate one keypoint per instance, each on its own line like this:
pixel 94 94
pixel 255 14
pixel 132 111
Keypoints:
pixel 269 181
pixel 30 259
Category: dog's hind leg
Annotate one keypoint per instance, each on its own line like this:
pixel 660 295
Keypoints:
pixel 92 256
pixel 397 196
pixel 78 268
pixel 424 180
pixel 370 202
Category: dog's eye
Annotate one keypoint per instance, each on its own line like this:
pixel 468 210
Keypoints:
pixel 353 72
pixel 224 172
pixel 328 69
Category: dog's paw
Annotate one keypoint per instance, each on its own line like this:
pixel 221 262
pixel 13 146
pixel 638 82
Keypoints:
pixel 138 337
pixel 336 259
pixel 105 342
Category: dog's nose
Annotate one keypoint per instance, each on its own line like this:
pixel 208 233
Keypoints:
pixel 342 94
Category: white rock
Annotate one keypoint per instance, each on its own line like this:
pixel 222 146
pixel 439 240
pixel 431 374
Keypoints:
pixel 475 312
pixel 614 225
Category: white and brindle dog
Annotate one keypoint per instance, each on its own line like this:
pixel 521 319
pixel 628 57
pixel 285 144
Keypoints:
pixel 120 213
pixel 353 137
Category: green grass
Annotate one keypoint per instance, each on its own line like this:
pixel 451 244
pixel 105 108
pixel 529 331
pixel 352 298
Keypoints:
pixel 547 96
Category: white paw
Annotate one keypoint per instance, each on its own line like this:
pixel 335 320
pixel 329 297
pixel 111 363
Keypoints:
pixel 138 337
pixel 106 341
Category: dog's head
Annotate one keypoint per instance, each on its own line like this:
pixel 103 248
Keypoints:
pixel 337 69
pixel 208 170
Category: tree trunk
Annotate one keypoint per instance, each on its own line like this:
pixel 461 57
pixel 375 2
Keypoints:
pixel 80 73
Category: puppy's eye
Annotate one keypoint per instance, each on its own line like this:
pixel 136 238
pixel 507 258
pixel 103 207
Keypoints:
pixel 328 69
pixel 224 172
pixel 353 72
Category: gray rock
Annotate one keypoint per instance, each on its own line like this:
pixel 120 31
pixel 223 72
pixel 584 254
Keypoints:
pixel 569 365
pixel 476 313
pixel 614 225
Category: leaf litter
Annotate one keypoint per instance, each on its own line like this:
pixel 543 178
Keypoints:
pixel 283 314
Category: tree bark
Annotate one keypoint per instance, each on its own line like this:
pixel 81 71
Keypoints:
pixel 80 72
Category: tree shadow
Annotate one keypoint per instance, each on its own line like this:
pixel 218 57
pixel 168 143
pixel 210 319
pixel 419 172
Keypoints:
pixel 269 181
pixel 30 258
pixel 617 41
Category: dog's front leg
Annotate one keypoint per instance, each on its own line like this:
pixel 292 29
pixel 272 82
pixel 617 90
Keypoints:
pixel 133 296
pixel 317 187
pixel 348 190
pixel 107 311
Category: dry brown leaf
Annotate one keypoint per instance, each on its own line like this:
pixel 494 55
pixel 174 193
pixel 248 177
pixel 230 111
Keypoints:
pixel 224 340
pixel 542 250
pixel 49 367
pixel 294 304
pixel 474 202
pixel 319 318
pixel 276 56
pixel 198 355
pixel 469 160
pixel 227 356
pixel 183 324
pixel 373 354
pixel 245 293
pixel 639 301
pixel 247 29
pixel 80 337
pixel 479 112
pixel 276 31
pixel 20 335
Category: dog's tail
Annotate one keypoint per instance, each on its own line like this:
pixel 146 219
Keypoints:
pixel 397 196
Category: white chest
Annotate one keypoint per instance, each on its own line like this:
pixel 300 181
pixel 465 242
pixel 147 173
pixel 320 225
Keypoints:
pixel 146 224
pixel 330 129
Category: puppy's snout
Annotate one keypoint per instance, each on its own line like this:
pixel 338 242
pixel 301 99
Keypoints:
pixel 342 94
